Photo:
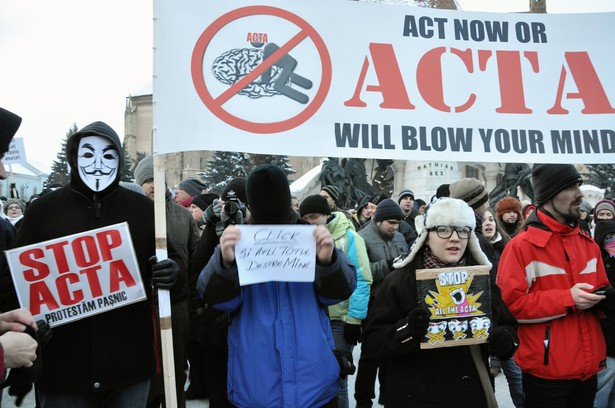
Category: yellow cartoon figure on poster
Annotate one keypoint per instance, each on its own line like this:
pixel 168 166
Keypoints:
pixel 480 327
pixel 453 297
pixel 458 328
pixel 459 303
pixel 436 332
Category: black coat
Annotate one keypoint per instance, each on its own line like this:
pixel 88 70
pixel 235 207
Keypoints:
pixel 439 377
pixel 603 228
pixel 8 237
pixel 112 349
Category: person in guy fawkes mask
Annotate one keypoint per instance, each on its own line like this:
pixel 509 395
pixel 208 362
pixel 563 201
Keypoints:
pixel 106 359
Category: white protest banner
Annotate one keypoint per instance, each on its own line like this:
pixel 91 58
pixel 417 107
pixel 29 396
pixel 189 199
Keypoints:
pixel 283 253
pixel 370 80
pixel 16 153
pixel 77 276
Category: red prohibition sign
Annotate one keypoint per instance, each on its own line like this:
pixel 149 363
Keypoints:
pixel 215 103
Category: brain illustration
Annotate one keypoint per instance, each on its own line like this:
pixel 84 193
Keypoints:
pixel 234 64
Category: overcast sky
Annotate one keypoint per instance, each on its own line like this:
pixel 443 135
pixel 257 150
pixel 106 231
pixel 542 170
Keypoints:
pixel 76 61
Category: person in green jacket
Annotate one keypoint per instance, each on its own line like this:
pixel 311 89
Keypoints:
pixel 345 316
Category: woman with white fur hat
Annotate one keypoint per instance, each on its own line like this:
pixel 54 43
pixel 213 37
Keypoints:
pixel 444 376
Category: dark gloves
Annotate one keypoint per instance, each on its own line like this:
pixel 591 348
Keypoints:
pixel 413 328
pixel 164 273
pixel 418 322
pixel 344 359
pixel 43 334
pixel 503 342
pixel 607 304
pixel 352 333
pixel 236 218
pixel 20 379
pixel 212 213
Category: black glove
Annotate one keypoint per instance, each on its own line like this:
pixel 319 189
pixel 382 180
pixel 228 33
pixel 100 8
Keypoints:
pixel 236 218
pixel 344 359
pixel 21 380
pixel 43 333
pixel 164 273
pixel 352 333
pixel 212 213
pixel 502 342
pixel 607 304
pixel 418 322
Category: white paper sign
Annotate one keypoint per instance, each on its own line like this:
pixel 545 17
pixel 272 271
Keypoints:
pixel 283 253
pixel 16 153
pixel 73 277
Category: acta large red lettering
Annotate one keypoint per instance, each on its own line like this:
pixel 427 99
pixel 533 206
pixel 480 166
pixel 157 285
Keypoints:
pixel 430 80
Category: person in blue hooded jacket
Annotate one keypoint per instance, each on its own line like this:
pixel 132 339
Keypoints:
pixel 281 351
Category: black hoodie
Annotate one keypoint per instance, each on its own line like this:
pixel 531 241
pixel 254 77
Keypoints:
pixel 603 228
pixel 112 349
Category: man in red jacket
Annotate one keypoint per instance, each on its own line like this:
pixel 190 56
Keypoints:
pixel 547 274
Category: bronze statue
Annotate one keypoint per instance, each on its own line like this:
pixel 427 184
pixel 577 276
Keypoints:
pixel 515 175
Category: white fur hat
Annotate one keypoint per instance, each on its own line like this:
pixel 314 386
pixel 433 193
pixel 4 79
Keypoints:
pixel 445 211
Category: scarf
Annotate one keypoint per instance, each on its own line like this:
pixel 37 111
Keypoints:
pixel 609 246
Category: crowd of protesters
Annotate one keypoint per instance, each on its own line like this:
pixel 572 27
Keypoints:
pixel 289 344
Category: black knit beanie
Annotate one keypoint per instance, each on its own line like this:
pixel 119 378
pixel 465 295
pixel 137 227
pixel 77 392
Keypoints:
pixel 388 210
pixel 443 191
pixel 332 190
pixel 236 188
pixel 9 123
pixel 550 179
pixel 405 193
pixel 314 204
pixel 204 200
pixel 192 186
pixel 269 195
pixel 602 229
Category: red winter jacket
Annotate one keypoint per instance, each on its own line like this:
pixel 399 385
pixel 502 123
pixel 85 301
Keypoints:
pixel 537 269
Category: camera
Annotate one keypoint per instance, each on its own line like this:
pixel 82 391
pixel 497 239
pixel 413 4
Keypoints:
pixel 233 204
pixel 231 208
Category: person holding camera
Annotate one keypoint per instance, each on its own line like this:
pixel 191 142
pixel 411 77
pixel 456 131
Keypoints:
pixel 208 357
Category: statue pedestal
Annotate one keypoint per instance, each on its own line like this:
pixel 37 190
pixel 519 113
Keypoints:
pixel 424 177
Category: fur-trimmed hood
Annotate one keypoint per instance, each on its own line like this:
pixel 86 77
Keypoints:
pixel 444 211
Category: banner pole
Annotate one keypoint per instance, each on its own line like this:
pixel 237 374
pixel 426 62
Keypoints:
pixel 164 298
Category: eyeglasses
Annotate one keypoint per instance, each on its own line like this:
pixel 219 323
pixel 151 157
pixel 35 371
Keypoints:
pixel 13 207
pixel 445 231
